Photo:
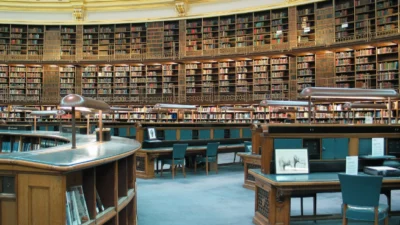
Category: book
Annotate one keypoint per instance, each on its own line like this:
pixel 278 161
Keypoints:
pixel 73 213
pixel 79 200
pixel 99 204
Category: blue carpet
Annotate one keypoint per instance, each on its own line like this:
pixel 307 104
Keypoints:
pixel 220 199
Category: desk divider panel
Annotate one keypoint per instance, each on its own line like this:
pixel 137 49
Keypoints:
pixel 43 128
pixel 314 147
pixel 246 133
pixel 50 128
pixel 335 148
pixel 186 134
pixel 282 143
pixel 234 133
pixel 122 131
pixel 219 133
pixel 393 146
pixel 132 131
pixel 365 146
pixel 204 134
pixel 170 135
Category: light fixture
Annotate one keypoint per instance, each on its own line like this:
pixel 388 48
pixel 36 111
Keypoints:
pixel 284 103
pixel 78 102
pixel 39 113
pixel 173 106
pixel 356 105
pixel 24 108
pixel 237 109
pixel 348 93
pixel 119 109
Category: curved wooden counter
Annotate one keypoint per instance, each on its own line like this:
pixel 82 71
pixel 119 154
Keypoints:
pixel 33 184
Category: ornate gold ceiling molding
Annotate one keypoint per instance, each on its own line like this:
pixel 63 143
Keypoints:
pixel 109 20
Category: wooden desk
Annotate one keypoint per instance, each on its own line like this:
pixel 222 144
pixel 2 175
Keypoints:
pixel 273 192
pixel 145 158
pixel 37 180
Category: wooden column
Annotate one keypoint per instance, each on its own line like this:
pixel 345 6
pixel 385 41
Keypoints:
pixel 292 27
pixel 324 26
pixel 324 69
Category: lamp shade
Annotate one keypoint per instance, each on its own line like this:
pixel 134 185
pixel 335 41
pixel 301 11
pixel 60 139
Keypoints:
pixel 24 108
pixel 83 103
pixel 284 103
pixel 237 109
pixel 119 109
pixel 174 106
pixel 350 93
pixel 349 105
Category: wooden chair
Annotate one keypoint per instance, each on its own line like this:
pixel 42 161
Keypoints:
pixel 211 156
pixel 360 196
pixel 178 158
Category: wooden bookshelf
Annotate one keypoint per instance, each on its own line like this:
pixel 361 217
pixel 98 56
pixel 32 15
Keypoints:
pixel 388 67
pixel 170 79
pixel 67 80
pixel 227 77
pixel 365 69
pixel 105 81
pixel 387 16
pixel 89 81
pixel 194 81
pixel 364 18
pixel 280 77
pixel 154 79
pixel 345 69
pixel 138 34
pixel 4 38
pixel 90 42
pixel 171 38
pixel 344 20
pixel 262 30
pixel 34 76
pixel 17 82
pixel 210 34
pixel 227 32
pixel 68 41
pixel 244 31
pixel 305 24
pixel 261 78
pixel 138 80
pixel 244 76
pixel 121 83
pixel 194 36
pixel 18 41
pixel 279 26
pixel 4 82
pixel 305 72
pixel 209 78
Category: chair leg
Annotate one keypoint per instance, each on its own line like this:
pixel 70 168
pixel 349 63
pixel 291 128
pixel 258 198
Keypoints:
pixel 216 164
pixel 183 171
pixel 301 205
pixel 162 166
pixel 234 158
pixel 195 166
pixel 157 165
pixel 315 206
pixel 344 219
pixel 207 166
pixel 386 222
pixel 173 169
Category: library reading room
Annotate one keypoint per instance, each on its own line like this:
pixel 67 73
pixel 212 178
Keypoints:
pixel 199 112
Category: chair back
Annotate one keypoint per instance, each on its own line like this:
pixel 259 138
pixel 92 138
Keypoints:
pixel 360 190
pixel 248 146
pixel 179 151
pixel 212 149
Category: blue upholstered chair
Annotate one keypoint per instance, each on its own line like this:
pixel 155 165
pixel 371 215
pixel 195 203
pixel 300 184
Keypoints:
pixel 178 158
pixel 210 157
pixel 360 196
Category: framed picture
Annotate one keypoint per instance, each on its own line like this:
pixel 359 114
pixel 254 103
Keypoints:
pixel 151 132
pixel 291 161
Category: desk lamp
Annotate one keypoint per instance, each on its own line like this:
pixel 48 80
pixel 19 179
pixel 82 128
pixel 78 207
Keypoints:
pixel 349 93
pixel 77 102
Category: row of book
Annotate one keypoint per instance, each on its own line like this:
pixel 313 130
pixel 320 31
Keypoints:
pixel 76 208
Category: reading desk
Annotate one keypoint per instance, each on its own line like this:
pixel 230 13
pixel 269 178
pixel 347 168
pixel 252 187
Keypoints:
pixel 273 192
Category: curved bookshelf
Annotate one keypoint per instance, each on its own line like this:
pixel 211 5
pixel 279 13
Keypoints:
pixel 98 179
